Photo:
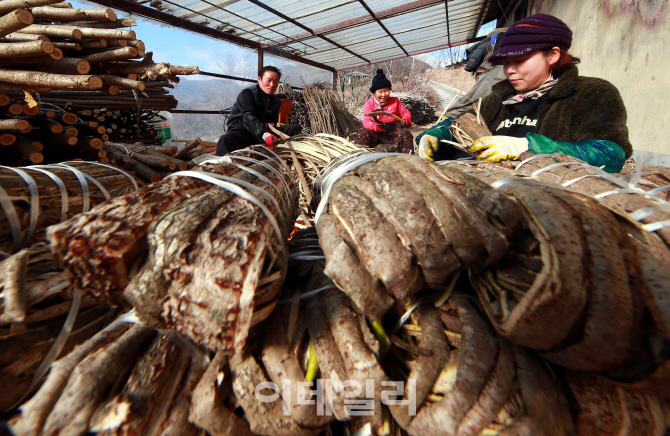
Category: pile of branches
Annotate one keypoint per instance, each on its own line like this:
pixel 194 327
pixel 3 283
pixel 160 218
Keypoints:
pixel 299 114
pixel 421 110
pixel 327 113
pixel 38 197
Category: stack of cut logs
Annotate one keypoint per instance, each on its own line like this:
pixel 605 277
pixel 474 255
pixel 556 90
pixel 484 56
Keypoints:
pixel 422 112
pixel 68 83
pixel 151 163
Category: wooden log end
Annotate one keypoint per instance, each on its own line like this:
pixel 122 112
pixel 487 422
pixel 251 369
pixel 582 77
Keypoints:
pixel 57 54
pixel 95 143
pixel 57 128
pixel 36 157
pixel 122 42
pixel 38 145
pixel 101 131
pixel 72 140
pixel 16 109
pixel 48 47
pixel 30 111
pixel 50 114
pixel 24 17
pixel 72 131
pixel 76 34
pixel 7 139
pixel 70 118
pixel 95 82
pixel 83 67
pixel 4 100
pixel 111 16
pixel 21 124
pixel 132 76
pixel 183 166
pixel 155 177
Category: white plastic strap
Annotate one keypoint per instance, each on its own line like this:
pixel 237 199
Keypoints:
pixel 235 189
pixel 12 220
pixel 82 181
pixel 64 206
pixel 570 182
pixel 643 213
pixel 132 179
pixel 329 179
pixel 658 190
pixel 34 203
pixel 621 191
pixel 95 182
pixel 656 226
pixel 285 198
pixel 532 158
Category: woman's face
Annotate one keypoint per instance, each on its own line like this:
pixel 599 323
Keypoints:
pixel 382 95
pixel 528 72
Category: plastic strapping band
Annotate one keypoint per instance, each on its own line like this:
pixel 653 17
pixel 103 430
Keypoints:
pixel 403 319
pixel 65 206
pixel 57 346
pixel 285 198
pixel 644 173
pixel 132 179
pixel 82 181
pixel 235 189
pixel 13 220
pixel 137 102
pixel 621 191
pixel 656 226
pixel 306 294
pixel 34 203
pixel 643 213
pixel 305 253
pixel 95 182
pixel 658 190
pixel 264 165
pixel 532 158
pixel 570 182
pixel 329 180
pixel 551 167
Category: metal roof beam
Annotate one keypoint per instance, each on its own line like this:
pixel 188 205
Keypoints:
pixel 446 11
pixel 292 21
pixel 135 8
pixel 413 53
pixel 485 6
pixel 365 19
pixel 372 14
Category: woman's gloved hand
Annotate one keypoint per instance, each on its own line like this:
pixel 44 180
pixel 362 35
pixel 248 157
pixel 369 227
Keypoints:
pixel 499 148
pixel 428 147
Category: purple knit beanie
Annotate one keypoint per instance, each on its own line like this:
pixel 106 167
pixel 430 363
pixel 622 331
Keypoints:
pixel 532 33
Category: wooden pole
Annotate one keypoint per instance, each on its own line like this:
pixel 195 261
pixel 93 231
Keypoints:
pixel 83 14
pixel 23 49
pixel 188 147
pixel 68 46
pixel 53 31
pixel 137 44
pixel 48 80
pixel 14 21
pixel 260 58
pixel 64 66
pixel 14 124
pixel 7 6
pixel 23 37
pixel 123 22
pixel 112 55
pixel 334 81
pixel 121 82
pixel 28 60
pixel 94 44
pixel 28 150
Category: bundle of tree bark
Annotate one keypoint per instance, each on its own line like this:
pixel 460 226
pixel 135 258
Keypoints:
pixel 327 113
pixel 37 197
pixel 299 114
pixel 150 162
pixel 422 111
pixel 232 219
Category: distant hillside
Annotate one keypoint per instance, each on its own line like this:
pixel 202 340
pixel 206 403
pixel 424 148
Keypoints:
pixel 210 95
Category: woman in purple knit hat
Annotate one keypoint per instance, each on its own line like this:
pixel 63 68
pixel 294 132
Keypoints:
pixel 545 106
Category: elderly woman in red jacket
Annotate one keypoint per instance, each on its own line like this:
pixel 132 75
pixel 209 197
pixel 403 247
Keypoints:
pixel 383 129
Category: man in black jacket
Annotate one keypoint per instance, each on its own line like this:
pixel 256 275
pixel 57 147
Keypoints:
pixel 254 110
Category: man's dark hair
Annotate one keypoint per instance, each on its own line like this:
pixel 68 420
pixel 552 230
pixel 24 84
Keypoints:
pixel 269 68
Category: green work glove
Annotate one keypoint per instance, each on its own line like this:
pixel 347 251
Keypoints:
pixel 499 148
pixel 428 147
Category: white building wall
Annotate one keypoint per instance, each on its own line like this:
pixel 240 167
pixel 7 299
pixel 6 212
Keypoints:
pixel 627 43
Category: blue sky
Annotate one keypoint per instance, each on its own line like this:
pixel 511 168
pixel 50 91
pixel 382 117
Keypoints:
pixel 181 47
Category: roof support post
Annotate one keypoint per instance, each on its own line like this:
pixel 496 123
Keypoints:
pixel 260 58
pixel 335 81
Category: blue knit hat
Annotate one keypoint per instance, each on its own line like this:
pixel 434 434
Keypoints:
pixel 380 81
pixel 532 33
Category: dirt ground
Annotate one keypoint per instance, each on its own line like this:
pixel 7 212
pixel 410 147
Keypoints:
pixel 455 77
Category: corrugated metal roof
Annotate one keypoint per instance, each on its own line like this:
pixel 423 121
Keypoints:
pixel 335 33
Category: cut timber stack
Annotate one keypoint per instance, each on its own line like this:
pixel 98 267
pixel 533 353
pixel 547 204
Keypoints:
pixel 422 112
pixel 61 60
pixel 152 163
